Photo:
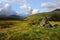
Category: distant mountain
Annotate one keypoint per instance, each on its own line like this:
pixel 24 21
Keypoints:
pixel 56 10
pixel 11 17
pixel 15 17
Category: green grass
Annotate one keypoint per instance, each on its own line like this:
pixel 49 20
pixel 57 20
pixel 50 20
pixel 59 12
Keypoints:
pixel 29 29
pixel 39 16
pixel 22 30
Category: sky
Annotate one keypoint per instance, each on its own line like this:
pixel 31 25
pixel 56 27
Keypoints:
pixel 30 6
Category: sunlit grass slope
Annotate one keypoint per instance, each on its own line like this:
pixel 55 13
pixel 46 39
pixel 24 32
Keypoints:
pixel 29 29
pixel 41 15
pixel 22 30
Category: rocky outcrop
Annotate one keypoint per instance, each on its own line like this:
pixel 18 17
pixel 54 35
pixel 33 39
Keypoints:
pixel 45 22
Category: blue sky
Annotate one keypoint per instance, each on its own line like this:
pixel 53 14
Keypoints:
pixel 34 5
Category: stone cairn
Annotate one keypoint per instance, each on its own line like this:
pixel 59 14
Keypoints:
pixel 45 23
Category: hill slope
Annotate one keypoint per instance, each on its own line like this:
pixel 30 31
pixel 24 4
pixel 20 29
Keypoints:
pixel 23 30
pixel 51 16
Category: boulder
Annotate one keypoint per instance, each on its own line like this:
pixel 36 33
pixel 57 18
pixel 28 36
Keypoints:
pixel 45 22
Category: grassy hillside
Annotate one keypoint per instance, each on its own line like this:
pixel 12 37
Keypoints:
pixel 41 15
pixel 22 30
pixel 29 29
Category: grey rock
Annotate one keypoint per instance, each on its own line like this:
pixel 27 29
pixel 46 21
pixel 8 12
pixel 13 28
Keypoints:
pixel 45 22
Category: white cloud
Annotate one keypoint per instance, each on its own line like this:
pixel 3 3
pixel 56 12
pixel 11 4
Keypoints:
pixel 25 5
pixel 7 6
pixel 57 3
pixel 22 2
pixel 35 11
pixel 16 1
pixel 27 9
pixel 51 6
pixel 1 9
pixel 1 6
pixel 48 5
pixel 6 9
